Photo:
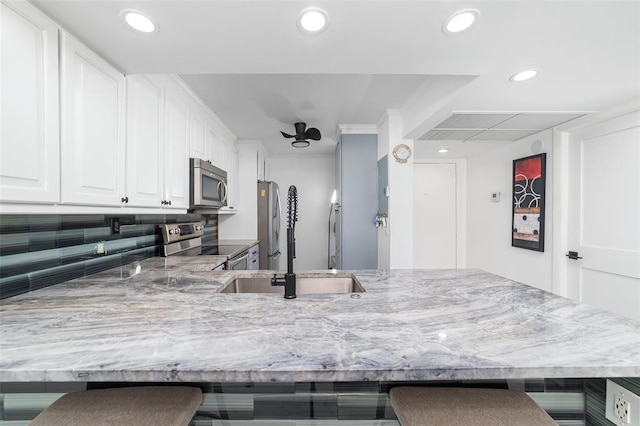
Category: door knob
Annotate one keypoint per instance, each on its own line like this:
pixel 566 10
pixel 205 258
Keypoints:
pixel 573 255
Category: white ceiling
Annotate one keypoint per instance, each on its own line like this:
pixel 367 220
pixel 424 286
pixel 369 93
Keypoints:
pixel 251 64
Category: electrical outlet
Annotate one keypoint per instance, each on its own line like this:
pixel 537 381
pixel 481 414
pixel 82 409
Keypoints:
pixel 115 225
pixel 100 247
pixel 623 406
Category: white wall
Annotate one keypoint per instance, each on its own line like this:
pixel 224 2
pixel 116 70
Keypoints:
pixel 489 223
pixel 314 177
pixel 400 194
pixel 243 225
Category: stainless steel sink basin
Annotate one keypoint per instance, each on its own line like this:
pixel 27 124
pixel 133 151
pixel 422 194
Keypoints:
pixel 304 285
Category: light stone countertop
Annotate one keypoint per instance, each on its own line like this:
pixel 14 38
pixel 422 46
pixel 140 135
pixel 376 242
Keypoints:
pixel 162 320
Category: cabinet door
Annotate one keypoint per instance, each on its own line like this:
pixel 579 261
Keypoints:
pixel 29 125
pixel 212 147
pixel 232 177
pixel 145 151
pixel 176 131
pixel 197 138
pixel 93 97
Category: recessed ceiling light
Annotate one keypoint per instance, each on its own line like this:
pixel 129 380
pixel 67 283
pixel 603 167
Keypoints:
pixel 523 75
pixel 138 21
pixel 313 20
pixel 443 150
pixel 460 21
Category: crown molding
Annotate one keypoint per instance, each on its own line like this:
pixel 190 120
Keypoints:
pixel 356 129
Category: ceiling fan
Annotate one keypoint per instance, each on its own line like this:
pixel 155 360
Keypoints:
pixel 301 135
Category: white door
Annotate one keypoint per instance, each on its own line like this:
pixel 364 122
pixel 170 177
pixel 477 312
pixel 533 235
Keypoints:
pixel 604 215
pixel 29 123
pixel 93 97
pixel 434 216
pixel 145 151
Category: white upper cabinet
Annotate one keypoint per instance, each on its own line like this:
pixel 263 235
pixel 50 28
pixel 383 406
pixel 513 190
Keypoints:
pixel 197 136
pixel 176 135
pixel 29 96
pixel 212 147
pixel 145 150
pixel 93 97
pixel 228 151
pixel 157 143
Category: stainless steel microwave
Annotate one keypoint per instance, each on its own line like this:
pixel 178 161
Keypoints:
pixel 207 185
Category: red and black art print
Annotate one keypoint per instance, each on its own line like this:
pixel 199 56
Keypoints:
pixel 528 202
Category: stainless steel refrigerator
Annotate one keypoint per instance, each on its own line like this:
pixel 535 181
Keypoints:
pixel 269 213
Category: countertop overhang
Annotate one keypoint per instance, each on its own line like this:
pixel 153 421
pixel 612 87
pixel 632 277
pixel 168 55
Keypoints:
pixel 161 320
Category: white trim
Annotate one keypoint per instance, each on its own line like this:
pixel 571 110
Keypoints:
pixel 560 216
pixel 625 108
pixel 7 208
pixel 357 129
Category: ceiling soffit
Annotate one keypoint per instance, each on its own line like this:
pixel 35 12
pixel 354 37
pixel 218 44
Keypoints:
pixel 490 126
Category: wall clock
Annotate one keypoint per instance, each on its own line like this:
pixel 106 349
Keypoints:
pixel 402 153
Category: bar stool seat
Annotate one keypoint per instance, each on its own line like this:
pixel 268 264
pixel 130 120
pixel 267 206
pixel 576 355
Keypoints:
pixel 139 406
pixel 425 406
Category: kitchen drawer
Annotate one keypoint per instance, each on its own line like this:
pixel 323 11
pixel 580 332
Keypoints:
pixel 253 262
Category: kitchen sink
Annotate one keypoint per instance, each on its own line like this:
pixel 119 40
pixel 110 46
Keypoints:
pixel 304 285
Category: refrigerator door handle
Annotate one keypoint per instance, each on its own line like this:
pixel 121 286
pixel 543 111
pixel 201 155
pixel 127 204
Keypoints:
pixel 278 215
pixel 276 254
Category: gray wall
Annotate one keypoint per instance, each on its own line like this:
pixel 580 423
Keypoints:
pixel 357 157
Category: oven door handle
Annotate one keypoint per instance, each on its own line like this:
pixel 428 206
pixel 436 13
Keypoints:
pixel 233 262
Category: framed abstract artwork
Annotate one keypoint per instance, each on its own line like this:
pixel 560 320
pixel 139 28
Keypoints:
pixel 529 181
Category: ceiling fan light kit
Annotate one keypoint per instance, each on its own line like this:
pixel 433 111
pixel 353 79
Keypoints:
pixel 300 144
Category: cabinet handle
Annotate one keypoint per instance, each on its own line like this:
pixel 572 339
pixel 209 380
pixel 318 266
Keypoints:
pixel 125 199
pixel 169 202
pixel 163 202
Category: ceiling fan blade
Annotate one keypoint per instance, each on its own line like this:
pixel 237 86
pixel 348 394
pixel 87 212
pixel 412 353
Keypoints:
pixel 313 134
pixel 286 135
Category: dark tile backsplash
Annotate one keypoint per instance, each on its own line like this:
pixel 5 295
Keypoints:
pixel 37 251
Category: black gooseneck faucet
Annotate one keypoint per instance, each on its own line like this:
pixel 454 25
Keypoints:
pixel 289 280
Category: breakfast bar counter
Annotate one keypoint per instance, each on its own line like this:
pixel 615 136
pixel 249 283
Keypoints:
pixel 162 320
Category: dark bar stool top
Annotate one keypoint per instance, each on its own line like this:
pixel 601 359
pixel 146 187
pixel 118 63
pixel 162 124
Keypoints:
pixel 139 406
pixel 426 406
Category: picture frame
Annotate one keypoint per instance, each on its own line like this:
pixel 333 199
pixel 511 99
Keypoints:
pixel 528 202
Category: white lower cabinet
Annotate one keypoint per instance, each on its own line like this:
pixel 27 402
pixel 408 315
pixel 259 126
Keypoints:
pixel 29 124
pixel 93 95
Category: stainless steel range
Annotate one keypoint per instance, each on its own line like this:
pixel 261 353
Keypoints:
pixel 185 239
